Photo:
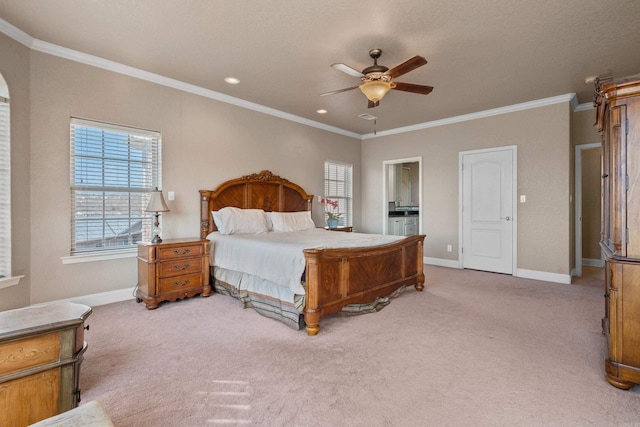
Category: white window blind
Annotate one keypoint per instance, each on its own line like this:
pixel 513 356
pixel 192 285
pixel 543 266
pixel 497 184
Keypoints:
pixel 338 185
pixel 113 170
pixel 5 190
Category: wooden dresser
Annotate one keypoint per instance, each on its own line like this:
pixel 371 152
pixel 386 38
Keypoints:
pixel 41 349
pixel 618 120
pixel 171 270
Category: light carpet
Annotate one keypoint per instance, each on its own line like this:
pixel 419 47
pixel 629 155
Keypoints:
pixel 472 349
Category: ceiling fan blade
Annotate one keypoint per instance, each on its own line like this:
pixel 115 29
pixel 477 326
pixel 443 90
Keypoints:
pixel 405 67
pixel 338 91
pixel 409 87
pixel 346 69
pixel 372 104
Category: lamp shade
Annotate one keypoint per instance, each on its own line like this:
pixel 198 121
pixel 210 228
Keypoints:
pixel 375 90
pixel 156 202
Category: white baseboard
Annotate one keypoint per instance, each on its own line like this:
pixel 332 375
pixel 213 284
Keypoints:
pixel 593 262
pixel 102 298
pixel 451 263
pixel 543 275
pixel 525 274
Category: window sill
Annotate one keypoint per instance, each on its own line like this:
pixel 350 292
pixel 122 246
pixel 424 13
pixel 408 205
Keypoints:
pixel 99 256
pixel 6 282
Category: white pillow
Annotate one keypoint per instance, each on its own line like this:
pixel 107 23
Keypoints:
pixel 291 221
pixel 216 219
pixel 240 221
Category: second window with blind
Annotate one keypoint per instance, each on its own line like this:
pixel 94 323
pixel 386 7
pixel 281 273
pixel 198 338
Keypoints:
pixel 338 187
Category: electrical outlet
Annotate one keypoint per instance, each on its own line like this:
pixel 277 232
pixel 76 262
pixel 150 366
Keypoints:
pixel 449 248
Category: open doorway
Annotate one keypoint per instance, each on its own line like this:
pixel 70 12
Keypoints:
pixel 587 207
pixel 402 196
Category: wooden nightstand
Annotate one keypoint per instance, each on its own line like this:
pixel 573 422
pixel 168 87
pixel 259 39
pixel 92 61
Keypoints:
pixel 171 270
pixel 345 228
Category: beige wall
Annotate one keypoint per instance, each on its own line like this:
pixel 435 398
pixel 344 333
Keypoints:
pixel 204 143
pixel 14 67
pixel 582 129
pixel 542 136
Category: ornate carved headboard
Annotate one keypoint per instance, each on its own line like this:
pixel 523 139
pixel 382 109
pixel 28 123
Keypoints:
pixel 262 190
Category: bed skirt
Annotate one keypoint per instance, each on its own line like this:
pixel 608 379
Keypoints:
pixel 277 302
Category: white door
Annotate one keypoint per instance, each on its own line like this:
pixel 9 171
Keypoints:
pixel 487 210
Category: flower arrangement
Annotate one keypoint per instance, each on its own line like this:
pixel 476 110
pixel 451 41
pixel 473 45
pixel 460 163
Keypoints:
pixel 332 211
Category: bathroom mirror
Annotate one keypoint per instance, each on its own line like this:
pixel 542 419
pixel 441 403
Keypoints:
pixel 403 184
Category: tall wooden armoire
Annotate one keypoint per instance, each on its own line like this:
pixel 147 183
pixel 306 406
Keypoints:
pixel 618 120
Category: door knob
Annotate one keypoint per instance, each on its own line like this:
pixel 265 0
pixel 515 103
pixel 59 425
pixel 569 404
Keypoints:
pixel 507 218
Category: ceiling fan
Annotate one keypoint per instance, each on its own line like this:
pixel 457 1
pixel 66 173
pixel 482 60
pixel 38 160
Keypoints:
pixel 376 79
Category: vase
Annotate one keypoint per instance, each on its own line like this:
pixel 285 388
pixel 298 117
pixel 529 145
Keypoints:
pixel 332 223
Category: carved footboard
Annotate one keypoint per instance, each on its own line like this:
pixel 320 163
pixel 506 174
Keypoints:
pixel 339 277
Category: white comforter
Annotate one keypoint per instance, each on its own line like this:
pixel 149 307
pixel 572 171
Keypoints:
pixel 278 257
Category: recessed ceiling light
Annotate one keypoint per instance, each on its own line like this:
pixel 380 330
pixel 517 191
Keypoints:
pixel 232 80
pixel 321 111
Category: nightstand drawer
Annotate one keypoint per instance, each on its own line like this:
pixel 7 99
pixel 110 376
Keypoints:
pixel 175 284
pixel 179 251
pixel 180 267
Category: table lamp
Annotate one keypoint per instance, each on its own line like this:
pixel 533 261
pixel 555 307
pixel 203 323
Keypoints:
pixel 156 205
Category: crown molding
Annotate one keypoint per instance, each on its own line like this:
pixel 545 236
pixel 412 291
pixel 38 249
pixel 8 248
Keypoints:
pixel 584 107
pixel 116 67
pixel 95 61
pixel 15 33
pixel 569 97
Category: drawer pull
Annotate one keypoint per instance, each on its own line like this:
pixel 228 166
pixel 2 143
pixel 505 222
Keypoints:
pixel 186 282
pixel 184 267
pixel 179 252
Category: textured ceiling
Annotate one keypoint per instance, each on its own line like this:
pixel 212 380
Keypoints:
pixel 482 54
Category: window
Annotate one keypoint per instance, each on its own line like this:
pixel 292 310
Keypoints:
pixel 5 183
pixel 338 186
pixel 113 171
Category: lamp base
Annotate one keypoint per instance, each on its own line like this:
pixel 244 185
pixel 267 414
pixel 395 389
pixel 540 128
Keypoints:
pixel 156 239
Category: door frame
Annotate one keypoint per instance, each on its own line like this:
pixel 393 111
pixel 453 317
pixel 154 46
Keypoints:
pixel 578 203
pixel 385 190
pixel 514 201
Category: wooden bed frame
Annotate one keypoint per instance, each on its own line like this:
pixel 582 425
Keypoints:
pixel 335 278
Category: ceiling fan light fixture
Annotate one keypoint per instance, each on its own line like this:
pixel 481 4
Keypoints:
pixel 375 90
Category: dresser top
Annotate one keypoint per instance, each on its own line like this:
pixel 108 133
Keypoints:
pixel 41 318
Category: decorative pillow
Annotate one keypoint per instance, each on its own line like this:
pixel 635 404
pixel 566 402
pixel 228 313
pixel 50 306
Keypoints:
pixel 240 221
pixel 291 221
